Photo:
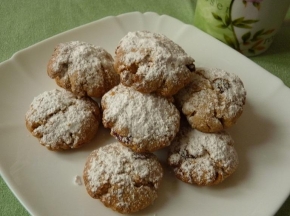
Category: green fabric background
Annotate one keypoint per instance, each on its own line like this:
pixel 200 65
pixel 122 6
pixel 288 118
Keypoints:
pixel 24 23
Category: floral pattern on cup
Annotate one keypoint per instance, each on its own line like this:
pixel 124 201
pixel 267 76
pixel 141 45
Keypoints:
pixel 248 26
pixel 253 41
pixel 256 3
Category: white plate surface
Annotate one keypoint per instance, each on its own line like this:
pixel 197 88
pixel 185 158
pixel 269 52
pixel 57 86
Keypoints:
pixel 44 181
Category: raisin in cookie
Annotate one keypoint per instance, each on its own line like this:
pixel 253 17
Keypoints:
pixel 123 180
pixel 62 121
pixel 83 69
pixel 202 158
pixel 151 62
pixel 213 101
pixel 142 122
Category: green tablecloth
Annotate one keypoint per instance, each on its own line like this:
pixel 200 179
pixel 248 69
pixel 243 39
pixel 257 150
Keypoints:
pixel 24 23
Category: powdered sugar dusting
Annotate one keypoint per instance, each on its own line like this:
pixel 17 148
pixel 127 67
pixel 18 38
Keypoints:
pixel 199 156
pixel 213 101
pixel 122 172
pixel 57 116
pixel 230 90
pixel 146 116
pixel 115 163
pixel 83 67
pixel 155 56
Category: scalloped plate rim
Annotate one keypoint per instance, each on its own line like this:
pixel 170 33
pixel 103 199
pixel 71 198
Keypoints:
pixel 14 62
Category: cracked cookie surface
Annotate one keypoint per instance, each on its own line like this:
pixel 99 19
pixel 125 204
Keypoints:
pixel 213 101
pixel 151 62
pixel 202 158
pixel 142 122
pixel 61 120
pixel 121 179
pixel 82 68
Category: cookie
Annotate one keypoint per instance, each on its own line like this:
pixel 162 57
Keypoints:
pixel 83 68
pixel 202 158
pixel 142 122
pixel 60 120
pixel 121 179
pixel 151 62
pixel 213 101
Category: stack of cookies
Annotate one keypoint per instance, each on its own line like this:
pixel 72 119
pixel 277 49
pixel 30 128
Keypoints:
pixel 141 116
pixel 69 118
pixel 203 152
pixel 152 97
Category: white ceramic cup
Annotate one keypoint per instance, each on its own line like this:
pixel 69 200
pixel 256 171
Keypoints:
pixel 248 26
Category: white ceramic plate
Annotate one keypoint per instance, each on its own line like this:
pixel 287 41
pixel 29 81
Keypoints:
pixel 43 181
